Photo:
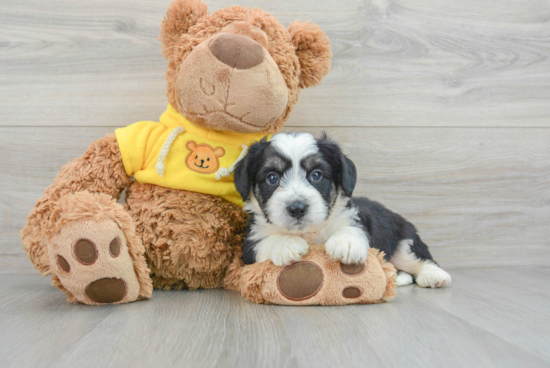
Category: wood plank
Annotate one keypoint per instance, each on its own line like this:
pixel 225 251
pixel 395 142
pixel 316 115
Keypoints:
pixel 37 324
pixel 479 196
pixel 396 63
pixel 496 307
pixel 207 328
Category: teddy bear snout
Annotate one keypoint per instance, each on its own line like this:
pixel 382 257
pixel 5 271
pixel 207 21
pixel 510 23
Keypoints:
pixel 237 51
pixel 230 82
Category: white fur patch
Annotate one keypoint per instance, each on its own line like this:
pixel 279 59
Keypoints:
pixel 282 250
pixel 294 185
pixel 348 245
pixel 295 146
pixel 403 279
pixel 426 273
pixel 403 259
pixel 432 276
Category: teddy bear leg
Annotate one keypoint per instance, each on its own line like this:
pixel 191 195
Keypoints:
pixel 94 254
pixel 317 280
pixel 190 238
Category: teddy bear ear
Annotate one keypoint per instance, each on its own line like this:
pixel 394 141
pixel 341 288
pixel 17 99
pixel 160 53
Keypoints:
pixel 180 16
pixel 219 152
pixel 313 50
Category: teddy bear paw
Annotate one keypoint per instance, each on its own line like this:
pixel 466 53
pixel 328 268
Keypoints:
pixel 92 261
pixel 318 279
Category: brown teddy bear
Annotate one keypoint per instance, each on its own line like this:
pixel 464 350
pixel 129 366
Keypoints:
pixel 233 77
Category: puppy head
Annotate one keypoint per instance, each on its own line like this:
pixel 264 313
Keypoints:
pixel 295 179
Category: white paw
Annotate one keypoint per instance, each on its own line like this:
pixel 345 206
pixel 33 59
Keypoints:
pixel 432 276
pixel 282 250
pixel 403 279
pixel 347 248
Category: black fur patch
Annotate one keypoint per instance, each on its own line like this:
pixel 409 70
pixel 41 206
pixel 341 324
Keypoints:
pixel 342 167
pixel 386 229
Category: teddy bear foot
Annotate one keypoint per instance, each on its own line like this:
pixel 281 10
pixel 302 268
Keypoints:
pixel 319 280
pixel 92 264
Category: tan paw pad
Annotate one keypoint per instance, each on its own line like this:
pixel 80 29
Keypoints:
pixel 352 269
pixel 300 281
pixel 108 290
pixel 92 261
pixel 63 264
pixel 351 292
pixel 85 252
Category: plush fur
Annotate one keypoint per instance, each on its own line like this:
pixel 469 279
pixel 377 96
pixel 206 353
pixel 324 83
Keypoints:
pixel 178 239
pixel 190 238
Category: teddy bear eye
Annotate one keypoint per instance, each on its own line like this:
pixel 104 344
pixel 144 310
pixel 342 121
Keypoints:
pixel 196 157
pixel 208 159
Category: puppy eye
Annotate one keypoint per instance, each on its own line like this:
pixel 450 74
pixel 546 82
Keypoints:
pixel 316 175
pixel 272 179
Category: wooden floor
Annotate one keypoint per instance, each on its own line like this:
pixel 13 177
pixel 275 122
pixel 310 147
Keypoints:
pixel 492 317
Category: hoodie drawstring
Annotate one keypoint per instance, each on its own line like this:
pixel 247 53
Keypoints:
pixel 223 171
pixel 165 148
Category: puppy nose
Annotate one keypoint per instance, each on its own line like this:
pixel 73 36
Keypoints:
pixel 237 51
pixel 297 209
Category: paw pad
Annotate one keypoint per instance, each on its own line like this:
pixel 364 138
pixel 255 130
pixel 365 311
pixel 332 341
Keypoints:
pixel 63 264
pixel 351 292
pixel 85 252
pixel 300 281
pixel 303 280
pixel 108 290
pixel 114 248
pixel 352 269
pixel 92 262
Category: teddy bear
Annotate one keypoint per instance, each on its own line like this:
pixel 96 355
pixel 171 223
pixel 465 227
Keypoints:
pixel 233 77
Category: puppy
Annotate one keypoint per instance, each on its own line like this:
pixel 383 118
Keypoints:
pixel 298 190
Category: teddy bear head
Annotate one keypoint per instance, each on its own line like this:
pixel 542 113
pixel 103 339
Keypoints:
pixel 239 69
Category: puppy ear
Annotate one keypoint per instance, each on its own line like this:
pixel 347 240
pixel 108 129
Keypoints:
pixel 342 167
pixel 349 175
pixel 313 50
pixel 245 169
pixel 180 16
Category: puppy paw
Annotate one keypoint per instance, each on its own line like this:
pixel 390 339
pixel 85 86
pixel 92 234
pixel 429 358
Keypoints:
pixel 347 248
pixel 403 279
pixel 282 250
pixel 432 276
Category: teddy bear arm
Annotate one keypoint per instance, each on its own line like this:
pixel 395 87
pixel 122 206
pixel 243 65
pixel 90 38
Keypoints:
pixel 99 170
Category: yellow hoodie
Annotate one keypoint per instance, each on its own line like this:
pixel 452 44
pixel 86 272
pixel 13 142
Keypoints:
pixel 176 154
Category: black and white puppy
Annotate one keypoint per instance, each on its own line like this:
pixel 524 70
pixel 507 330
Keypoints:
pixel 298 190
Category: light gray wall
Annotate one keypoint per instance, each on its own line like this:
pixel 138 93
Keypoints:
pixel 443 105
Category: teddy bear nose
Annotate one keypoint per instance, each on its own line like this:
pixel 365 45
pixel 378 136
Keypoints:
pixel 237 51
